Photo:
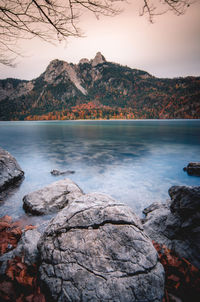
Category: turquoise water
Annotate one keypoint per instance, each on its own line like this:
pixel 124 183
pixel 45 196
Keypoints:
pixel 134 161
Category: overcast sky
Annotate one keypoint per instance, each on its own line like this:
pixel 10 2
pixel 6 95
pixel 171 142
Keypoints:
pixel 170 47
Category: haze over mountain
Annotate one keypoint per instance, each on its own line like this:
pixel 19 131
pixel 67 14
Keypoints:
pixel 98 89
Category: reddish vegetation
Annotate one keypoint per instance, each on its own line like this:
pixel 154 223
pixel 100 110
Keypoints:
pixel 182 279
pixel 10 234
pixel 90 110
pixel 20 282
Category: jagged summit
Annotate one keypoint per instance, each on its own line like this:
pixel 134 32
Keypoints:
pixel 98 59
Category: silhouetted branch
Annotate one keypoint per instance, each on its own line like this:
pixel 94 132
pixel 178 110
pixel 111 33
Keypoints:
pixel 52 20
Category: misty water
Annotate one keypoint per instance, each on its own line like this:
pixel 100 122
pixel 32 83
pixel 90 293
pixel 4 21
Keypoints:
pixel 134 161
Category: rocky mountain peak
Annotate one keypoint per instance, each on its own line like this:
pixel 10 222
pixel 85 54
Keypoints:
pixel 84 61
pixel 98 59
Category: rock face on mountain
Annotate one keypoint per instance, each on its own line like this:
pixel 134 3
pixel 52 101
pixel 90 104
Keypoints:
pixel 176 224
pixel 95 250
pixel 99 59
pixel 66 91
pixel 51 198
pixel 10 171
pixel 193 169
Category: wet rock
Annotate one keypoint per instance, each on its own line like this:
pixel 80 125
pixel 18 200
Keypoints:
pixel 10 171
pixel 95 250
pixel 177 224
pixel 185 201
pixel 57 172
pixel 51 198
pixel 193 168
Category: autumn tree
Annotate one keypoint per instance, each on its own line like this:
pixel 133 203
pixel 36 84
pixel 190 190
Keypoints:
pixel 52 20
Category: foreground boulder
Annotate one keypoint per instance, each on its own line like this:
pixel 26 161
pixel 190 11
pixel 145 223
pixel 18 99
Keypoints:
pixel 193 169
pixel 51 198
pixel 176 224
pixel 10 171
pixel 95 250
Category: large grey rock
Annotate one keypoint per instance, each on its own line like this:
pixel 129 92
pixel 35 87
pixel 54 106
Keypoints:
pixel 177 223
pixel 95 250
pixel 10 171
pixel 193 168
pixel 51 198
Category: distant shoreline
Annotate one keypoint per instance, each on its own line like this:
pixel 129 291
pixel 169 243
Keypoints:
pixel 101 120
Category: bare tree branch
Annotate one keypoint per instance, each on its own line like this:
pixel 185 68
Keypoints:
pixel 52 20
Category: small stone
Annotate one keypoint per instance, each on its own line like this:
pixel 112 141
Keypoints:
pixel 58 173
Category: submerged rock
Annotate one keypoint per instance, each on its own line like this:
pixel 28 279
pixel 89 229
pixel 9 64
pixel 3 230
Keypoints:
pixel 10 171
pixel 193 168
pixel 51 198
pixel 95 250
pixel 57 172
pixel 176 224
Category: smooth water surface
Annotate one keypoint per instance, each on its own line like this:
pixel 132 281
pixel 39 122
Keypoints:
pixel 134 161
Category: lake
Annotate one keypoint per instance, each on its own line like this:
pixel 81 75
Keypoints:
pixel 136 162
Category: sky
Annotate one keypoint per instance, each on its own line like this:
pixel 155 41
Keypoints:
pixel 170 47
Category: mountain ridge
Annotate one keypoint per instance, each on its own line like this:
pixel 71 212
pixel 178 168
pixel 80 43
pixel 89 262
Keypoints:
pixel 97 89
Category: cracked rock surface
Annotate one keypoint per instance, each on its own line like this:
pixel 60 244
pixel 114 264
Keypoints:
pixel 10 171
pixel 176 224
pixel 51 198
pixel 95 250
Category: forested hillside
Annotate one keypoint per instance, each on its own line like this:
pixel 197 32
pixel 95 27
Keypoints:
pixel 98 89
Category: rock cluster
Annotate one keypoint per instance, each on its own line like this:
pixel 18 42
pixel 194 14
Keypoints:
pixel 176 224
pixel 95 250
pixel 52 198
pixel 193 168
pixel 10 171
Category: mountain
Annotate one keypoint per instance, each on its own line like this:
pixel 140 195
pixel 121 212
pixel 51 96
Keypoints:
pixel 98 89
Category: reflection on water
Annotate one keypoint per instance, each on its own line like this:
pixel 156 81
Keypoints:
pixel 134 161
